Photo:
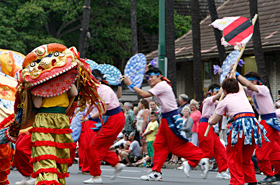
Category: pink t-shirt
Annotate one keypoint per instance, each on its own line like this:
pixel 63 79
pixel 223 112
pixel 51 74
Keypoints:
pixel 196 115
pixel 109 96
pixel 277 111
pixel 234 103
pixel 165 96
pixel 208 107
pixel 262 100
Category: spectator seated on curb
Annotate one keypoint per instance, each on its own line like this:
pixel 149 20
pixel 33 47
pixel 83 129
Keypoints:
pixel 133 153
pixel 120 141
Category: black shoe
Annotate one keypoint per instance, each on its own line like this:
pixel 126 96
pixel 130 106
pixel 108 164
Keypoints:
pixel 253 183
pixel 268 179
pixel 277 177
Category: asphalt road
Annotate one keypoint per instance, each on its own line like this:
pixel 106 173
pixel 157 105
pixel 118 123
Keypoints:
pixel 131 176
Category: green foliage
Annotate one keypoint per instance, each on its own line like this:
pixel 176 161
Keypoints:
pixel 26 24
pixel 182 24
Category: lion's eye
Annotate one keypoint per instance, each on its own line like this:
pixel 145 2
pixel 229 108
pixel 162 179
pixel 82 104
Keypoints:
pixel 56 54
pixel 33 64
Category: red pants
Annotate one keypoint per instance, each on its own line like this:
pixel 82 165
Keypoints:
pixel 100 144
pixel 212 146
pixel 269 154
pixel 84 144
pixel 23 155
pixel 6 155
pixel 166 141
pixel 239 161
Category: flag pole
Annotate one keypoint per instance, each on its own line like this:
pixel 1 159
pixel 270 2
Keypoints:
pixel 231 75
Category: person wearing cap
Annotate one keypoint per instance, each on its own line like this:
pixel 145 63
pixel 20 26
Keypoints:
pixel 267 155
pixel 168 138
pixel 119 142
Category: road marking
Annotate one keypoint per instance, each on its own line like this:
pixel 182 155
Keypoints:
pixel 122 177
pixel 133 171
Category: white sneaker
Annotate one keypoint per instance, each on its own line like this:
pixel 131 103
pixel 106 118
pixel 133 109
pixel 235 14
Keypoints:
pixel 204 165
pixel 187 168
pixel 94 180
pixel 31 181
pixel 180 167
pixel 118 170
pixel 23 181
pixel 152 176
pixel 223 175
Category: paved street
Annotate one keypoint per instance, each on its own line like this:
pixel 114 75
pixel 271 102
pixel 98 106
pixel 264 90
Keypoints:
pixel 131 175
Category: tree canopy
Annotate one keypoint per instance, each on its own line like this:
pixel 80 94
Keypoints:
pixel 26 24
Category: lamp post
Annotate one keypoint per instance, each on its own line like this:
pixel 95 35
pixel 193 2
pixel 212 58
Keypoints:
pixel 161 42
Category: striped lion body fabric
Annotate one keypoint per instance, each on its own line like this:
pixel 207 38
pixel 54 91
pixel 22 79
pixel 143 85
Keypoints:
pixel 51 143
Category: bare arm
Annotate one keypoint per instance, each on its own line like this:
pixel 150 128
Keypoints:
pixel 73 91
pixel 145 119
pixel 38 100
pixel 218 95
pixel 147 133
pixel 144 94
pixel 215 119
pixel 119 92
pixel 247 83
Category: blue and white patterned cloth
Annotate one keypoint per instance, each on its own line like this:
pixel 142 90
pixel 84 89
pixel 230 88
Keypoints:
pixel 247 126
pixel 98 125
pixel 175 123
pixel 135 69
pixel 3 138
pixel 112 74
pixel 271 120
pixel 274 123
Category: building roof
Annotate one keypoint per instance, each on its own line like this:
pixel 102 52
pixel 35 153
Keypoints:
pixel 183 7
pixel 269 18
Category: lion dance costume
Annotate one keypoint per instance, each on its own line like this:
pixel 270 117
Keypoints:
pixel 49 71
pixel 6 153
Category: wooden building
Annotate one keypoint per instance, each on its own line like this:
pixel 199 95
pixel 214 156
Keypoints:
pixel 269 18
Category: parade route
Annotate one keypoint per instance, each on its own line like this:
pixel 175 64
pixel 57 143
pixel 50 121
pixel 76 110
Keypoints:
pixel 131 176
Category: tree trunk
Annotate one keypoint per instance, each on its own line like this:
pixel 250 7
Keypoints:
pixel 170 43
pixel 217 33
pixel 133 16
pixel 258 44
pixel 84 31
pixel 51 25
pixel 197 69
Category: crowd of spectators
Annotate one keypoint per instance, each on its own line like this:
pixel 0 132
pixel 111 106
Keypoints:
pixel 134 144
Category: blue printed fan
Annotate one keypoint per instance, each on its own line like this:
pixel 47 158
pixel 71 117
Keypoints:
pixel 112 74
pixel 91 63
pixel 231 59
pixel 135 69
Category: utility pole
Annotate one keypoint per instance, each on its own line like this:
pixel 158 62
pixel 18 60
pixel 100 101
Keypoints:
pixel 161 42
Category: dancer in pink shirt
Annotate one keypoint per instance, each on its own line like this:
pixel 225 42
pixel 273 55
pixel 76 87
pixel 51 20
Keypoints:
pixel 269 154
pixel 168 138
pixel 243 134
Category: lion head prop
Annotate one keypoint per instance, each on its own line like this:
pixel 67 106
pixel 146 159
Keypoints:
pixel 48 71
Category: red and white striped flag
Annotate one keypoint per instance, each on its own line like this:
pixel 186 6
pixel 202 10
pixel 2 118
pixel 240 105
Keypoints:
pixel 237 31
